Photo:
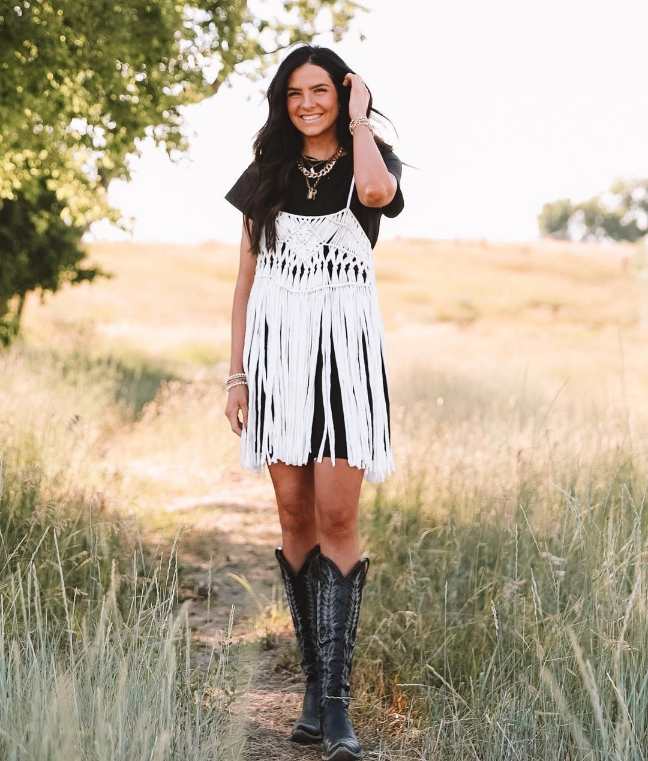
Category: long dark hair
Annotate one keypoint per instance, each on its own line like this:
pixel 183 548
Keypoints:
pixel 278 144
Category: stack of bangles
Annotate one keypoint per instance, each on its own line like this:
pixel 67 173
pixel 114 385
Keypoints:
pixel 236 379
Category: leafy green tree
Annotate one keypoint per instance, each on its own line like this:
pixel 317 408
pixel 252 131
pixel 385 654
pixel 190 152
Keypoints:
pixel 620 214
pixel 554 218
pixel 39 251
pixel 83 82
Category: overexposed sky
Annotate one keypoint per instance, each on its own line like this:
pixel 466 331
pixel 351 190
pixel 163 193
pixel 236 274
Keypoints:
pixel 502 106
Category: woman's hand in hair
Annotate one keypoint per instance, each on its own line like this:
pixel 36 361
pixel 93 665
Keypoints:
pixel 237 399
pixel 359 98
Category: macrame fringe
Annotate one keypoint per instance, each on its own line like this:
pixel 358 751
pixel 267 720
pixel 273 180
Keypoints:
pixel 294 293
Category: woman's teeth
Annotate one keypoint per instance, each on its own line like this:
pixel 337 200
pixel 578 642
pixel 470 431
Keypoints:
pixel 311 118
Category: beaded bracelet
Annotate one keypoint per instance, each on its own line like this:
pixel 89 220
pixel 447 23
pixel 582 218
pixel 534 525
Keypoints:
pixel 236 379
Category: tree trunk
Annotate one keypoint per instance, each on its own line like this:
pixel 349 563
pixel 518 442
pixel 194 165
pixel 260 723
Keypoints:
pixel 10 319
pixel 21 305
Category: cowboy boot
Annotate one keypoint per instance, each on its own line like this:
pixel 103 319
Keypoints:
pixel 338 610
pixel 301 591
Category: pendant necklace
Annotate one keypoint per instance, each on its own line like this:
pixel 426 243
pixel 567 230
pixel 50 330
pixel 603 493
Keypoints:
pixel 311 173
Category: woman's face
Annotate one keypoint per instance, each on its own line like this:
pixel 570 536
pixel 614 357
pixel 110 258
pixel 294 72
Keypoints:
pixel 311 92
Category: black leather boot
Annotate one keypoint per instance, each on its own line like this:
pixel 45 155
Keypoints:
pixel 301 591
pixel 338 610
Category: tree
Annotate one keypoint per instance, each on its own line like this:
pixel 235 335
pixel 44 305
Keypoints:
pixel 39 251
pixel 83 82
pixel 620 214
pixel 554 218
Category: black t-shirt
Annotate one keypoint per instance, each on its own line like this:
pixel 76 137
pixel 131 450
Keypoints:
pixel 332 193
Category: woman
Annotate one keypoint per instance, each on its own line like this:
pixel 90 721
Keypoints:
pixel 307 370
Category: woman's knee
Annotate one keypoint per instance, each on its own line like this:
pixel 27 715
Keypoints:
pixel 336 521
pixel 296 514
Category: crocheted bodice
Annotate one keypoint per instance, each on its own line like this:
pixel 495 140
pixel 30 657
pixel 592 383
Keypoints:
pixel 318 251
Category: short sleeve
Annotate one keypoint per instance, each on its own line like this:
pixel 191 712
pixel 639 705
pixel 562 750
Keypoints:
pixel 241 190
pixel 397 204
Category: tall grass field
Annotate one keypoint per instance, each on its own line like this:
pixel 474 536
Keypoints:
pixel 504 615
pixel 95 653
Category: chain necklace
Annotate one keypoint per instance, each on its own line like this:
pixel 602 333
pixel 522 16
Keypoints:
pixel 310 172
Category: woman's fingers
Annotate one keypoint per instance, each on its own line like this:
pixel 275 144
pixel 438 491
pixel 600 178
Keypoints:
pixel 235 423
pixel 231 413
pixel 237 400
pixel 233 416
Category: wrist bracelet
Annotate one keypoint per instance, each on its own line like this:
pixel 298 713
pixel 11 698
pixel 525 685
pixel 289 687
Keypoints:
pixel 360 120
pixel 234 380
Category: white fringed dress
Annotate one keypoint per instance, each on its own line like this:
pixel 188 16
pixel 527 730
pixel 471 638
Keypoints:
pixel 315 295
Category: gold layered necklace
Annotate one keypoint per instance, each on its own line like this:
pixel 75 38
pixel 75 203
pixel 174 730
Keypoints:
pixel 317 174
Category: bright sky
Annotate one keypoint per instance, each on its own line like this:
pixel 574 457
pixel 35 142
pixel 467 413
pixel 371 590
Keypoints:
pixel 501 106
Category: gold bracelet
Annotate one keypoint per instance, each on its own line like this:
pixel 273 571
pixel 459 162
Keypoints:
pixel 360 120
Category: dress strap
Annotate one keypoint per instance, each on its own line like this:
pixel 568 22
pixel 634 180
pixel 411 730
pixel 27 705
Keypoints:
pixel 350 192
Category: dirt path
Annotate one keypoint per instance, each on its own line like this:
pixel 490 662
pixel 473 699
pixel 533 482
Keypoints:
pixel 223 538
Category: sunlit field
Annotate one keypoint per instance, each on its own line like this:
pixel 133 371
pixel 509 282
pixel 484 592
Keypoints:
pixel 506 606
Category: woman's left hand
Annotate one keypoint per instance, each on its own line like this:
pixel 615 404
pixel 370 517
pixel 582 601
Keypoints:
pixel 359 98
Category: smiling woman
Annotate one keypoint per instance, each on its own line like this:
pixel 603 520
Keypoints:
pixel 308 362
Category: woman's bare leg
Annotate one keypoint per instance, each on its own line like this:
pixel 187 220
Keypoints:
pixel 337 492
pixel 295 492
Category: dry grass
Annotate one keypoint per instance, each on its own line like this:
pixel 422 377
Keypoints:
pixel 517 382
pixel 467 324
pixel 95 660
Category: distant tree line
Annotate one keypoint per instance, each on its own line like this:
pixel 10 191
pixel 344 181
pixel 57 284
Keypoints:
pixel 619 214
pixel 82 83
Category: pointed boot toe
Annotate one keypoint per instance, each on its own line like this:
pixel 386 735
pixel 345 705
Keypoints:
pixel 343 752
pixel 307 729
pixel 346 749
